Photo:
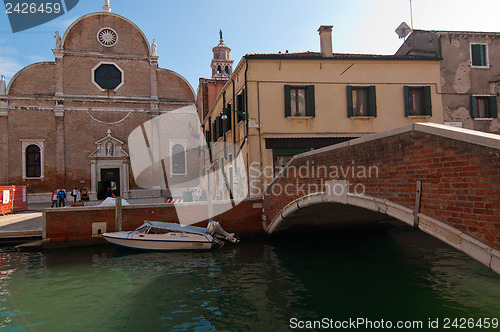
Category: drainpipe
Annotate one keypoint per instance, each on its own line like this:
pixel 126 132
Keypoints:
pixel 246 124
pixel 260 143
pixel 234 121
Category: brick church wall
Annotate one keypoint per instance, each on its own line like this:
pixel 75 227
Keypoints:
pixel 57 103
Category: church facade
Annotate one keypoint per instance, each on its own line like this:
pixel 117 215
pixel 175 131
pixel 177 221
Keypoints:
pixel 65 123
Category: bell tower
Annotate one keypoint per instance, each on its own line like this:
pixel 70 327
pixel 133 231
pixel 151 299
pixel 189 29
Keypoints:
pixel 222 66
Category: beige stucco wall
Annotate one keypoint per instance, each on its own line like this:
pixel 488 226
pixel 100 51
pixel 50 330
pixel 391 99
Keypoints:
pixel 330 94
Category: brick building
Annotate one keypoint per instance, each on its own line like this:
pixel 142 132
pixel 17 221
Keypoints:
pixel 65 123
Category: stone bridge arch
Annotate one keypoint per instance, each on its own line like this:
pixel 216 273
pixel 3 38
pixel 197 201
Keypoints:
pixel 447 234
pixel 444 181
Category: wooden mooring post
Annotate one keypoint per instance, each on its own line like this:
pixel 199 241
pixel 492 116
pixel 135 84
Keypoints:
pixel 118 214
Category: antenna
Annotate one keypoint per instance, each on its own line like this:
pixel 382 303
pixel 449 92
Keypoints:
pixel 411 15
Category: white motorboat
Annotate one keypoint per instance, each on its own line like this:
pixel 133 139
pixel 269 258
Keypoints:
pixel 155 235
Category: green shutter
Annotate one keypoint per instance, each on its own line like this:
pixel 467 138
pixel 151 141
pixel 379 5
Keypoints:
pixel 229 120
pixel 407 100
pixel 427 100
pixel 492 107
pixel 310 107
pixel 239 107
pixel 478 55
pixel 288 109
pixel 219 127
pixel 350 111
pixel 372 101
pixel 214 130
pixel 473 107
pixel 243 103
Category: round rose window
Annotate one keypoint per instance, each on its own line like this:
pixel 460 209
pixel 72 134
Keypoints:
pixel 107 37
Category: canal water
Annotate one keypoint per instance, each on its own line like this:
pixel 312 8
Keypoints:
pixel 276 284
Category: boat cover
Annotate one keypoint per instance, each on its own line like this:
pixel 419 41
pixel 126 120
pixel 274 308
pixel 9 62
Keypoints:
pixel 176 227
pixel 109 201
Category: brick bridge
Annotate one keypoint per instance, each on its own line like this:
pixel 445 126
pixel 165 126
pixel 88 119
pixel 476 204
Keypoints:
pixel 443 180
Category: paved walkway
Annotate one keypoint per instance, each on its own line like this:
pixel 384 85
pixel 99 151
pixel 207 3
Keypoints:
pixel 28 223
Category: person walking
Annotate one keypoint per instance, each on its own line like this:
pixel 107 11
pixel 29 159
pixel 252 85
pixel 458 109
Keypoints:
pixel 54 198
pixel 74 193
pixel 61 196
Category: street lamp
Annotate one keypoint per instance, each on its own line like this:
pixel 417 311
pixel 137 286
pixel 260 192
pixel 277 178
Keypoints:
pixel 240 113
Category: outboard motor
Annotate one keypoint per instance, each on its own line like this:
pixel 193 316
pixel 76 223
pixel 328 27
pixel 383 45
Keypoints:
pixel 214 229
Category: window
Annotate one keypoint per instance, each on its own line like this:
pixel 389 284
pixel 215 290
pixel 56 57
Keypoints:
pixel 107 76
pixel 484 107
pixel 240 106
pixel 479 55
pixel 178 159
pixel 417 101
pixel 220 128
pixel 282 156
pixel 33 162
pixel 32 158
pixel 226 123
pixel 361 101
pixel 214 131
pixel 299 101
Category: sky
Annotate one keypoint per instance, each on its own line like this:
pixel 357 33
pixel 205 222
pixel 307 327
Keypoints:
pixel 186 31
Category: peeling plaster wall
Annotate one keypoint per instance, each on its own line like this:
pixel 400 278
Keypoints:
pixel 461 80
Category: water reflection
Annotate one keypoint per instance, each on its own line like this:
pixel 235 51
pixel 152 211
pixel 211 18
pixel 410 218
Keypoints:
pixel 400 274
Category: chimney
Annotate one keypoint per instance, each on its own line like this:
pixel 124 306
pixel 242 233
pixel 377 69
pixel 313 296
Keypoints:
pixel 325 38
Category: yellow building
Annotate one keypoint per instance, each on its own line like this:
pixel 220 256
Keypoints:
pixel 277 105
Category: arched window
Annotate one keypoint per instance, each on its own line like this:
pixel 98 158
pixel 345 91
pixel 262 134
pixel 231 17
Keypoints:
pixel 219 70
pixel 178 159
pixel 226 70
pixel 33 162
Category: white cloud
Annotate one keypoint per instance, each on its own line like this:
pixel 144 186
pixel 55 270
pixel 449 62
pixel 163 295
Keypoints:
pixel 62 24
pixel 9 67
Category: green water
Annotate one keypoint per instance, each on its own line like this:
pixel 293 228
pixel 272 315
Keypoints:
pixel 258 285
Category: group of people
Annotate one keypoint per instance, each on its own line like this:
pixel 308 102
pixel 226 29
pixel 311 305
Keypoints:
pixel 59 196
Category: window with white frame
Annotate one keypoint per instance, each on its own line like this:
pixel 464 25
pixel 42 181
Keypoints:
pixel 484 107
pixel 32 159
pixel 107 76
pixel 479 55
pixel 178 164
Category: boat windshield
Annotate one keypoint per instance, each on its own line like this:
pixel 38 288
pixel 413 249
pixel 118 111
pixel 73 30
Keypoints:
pixel 147 229
pixel 144 229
